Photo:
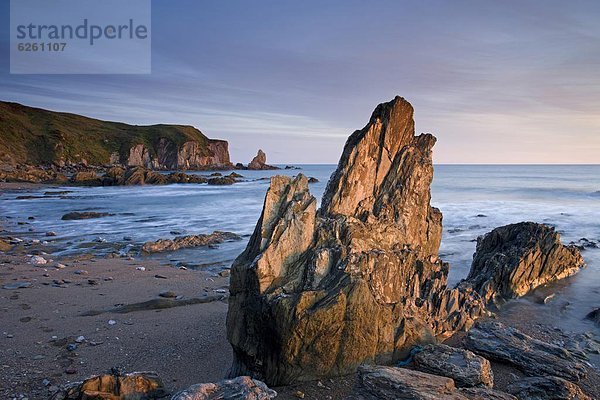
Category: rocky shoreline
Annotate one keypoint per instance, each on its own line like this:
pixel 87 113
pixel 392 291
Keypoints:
pixel 349 301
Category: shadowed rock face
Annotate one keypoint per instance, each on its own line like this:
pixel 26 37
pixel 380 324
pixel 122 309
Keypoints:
pixel 512 260
pixel 317 294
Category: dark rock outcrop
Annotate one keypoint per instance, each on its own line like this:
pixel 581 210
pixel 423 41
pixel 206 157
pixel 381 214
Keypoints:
pixel 240 388
pixel 318 294
pixel 118 176
pixel 464 367
pixel 502 343
pixel 76 215
pixel 546 388
pixel 594 315
pixel 512 260
pixel 260 162
pixel 222 180
pixel 181 242
pixel 136 385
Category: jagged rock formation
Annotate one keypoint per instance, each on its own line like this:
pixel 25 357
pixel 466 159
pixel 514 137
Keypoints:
pixel 260 162
pixel 512 260
pixel 317 294
pixel 41 137
pixel 240 388
pixel 464 367
pixel 498 342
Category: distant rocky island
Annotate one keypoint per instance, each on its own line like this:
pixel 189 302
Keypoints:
pixel 42 146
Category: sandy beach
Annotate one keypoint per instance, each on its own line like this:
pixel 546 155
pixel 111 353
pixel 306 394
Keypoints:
pixel 117 308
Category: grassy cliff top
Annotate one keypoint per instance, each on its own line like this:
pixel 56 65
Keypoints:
pixel 35 136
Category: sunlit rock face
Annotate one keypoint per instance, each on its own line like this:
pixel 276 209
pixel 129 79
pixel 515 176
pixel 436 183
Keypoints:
pixel 317 293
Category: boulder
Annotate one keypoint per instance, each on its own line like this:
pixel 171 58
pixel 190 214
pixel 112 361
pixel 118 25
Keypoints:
pixel 214 238
pixel 464 367
pixel 260 162
pixel 547 388
pixel 380 382
pixel 240 388
pixel 222 180
pixel 533 357
pixel 114 386
pixel 317 294
pixel 5 245
pixel 85 178
pixel 512 260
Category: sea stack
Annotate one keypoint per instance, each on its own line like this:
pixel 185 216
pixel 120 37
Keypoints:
pixel 317 293
pixel 260 162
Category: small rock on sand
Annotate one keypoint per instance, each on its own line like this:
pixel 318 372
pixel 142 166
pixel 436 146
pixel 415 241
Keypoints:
pixel 37 260
pixel 17 285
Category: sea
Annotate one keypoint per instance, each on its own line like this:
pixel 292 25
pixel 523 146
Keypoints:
pixel 474 199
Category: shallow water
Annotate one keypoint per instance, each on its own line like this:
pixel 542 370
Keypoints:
pixel 473 199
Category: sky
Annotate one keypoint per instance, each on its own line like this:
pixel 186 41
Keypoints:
pixel 494 81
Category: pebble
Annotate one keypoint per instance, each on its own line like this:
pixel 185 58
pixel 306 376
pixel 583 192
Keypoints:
pixel 37 260
pixel 220 290
pixel 60 266
pixel 51 233
pixel 225 273
pixel 108 278
pixel 160 277
pixel 46 382
pixel 141 268
pixel 112 322
pixel 92 282
pixel 72 347
pixel 38 357
pixel 299 394
pixel 81 272
pixel 70 371
pixel 80 339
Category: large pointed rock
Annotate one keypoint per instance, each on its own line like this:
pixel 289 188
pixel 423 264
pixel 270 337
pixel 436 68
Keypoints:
pixel 318 293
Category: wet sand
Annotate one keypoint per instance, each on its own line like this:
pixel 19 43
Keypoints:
pixel 185 344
